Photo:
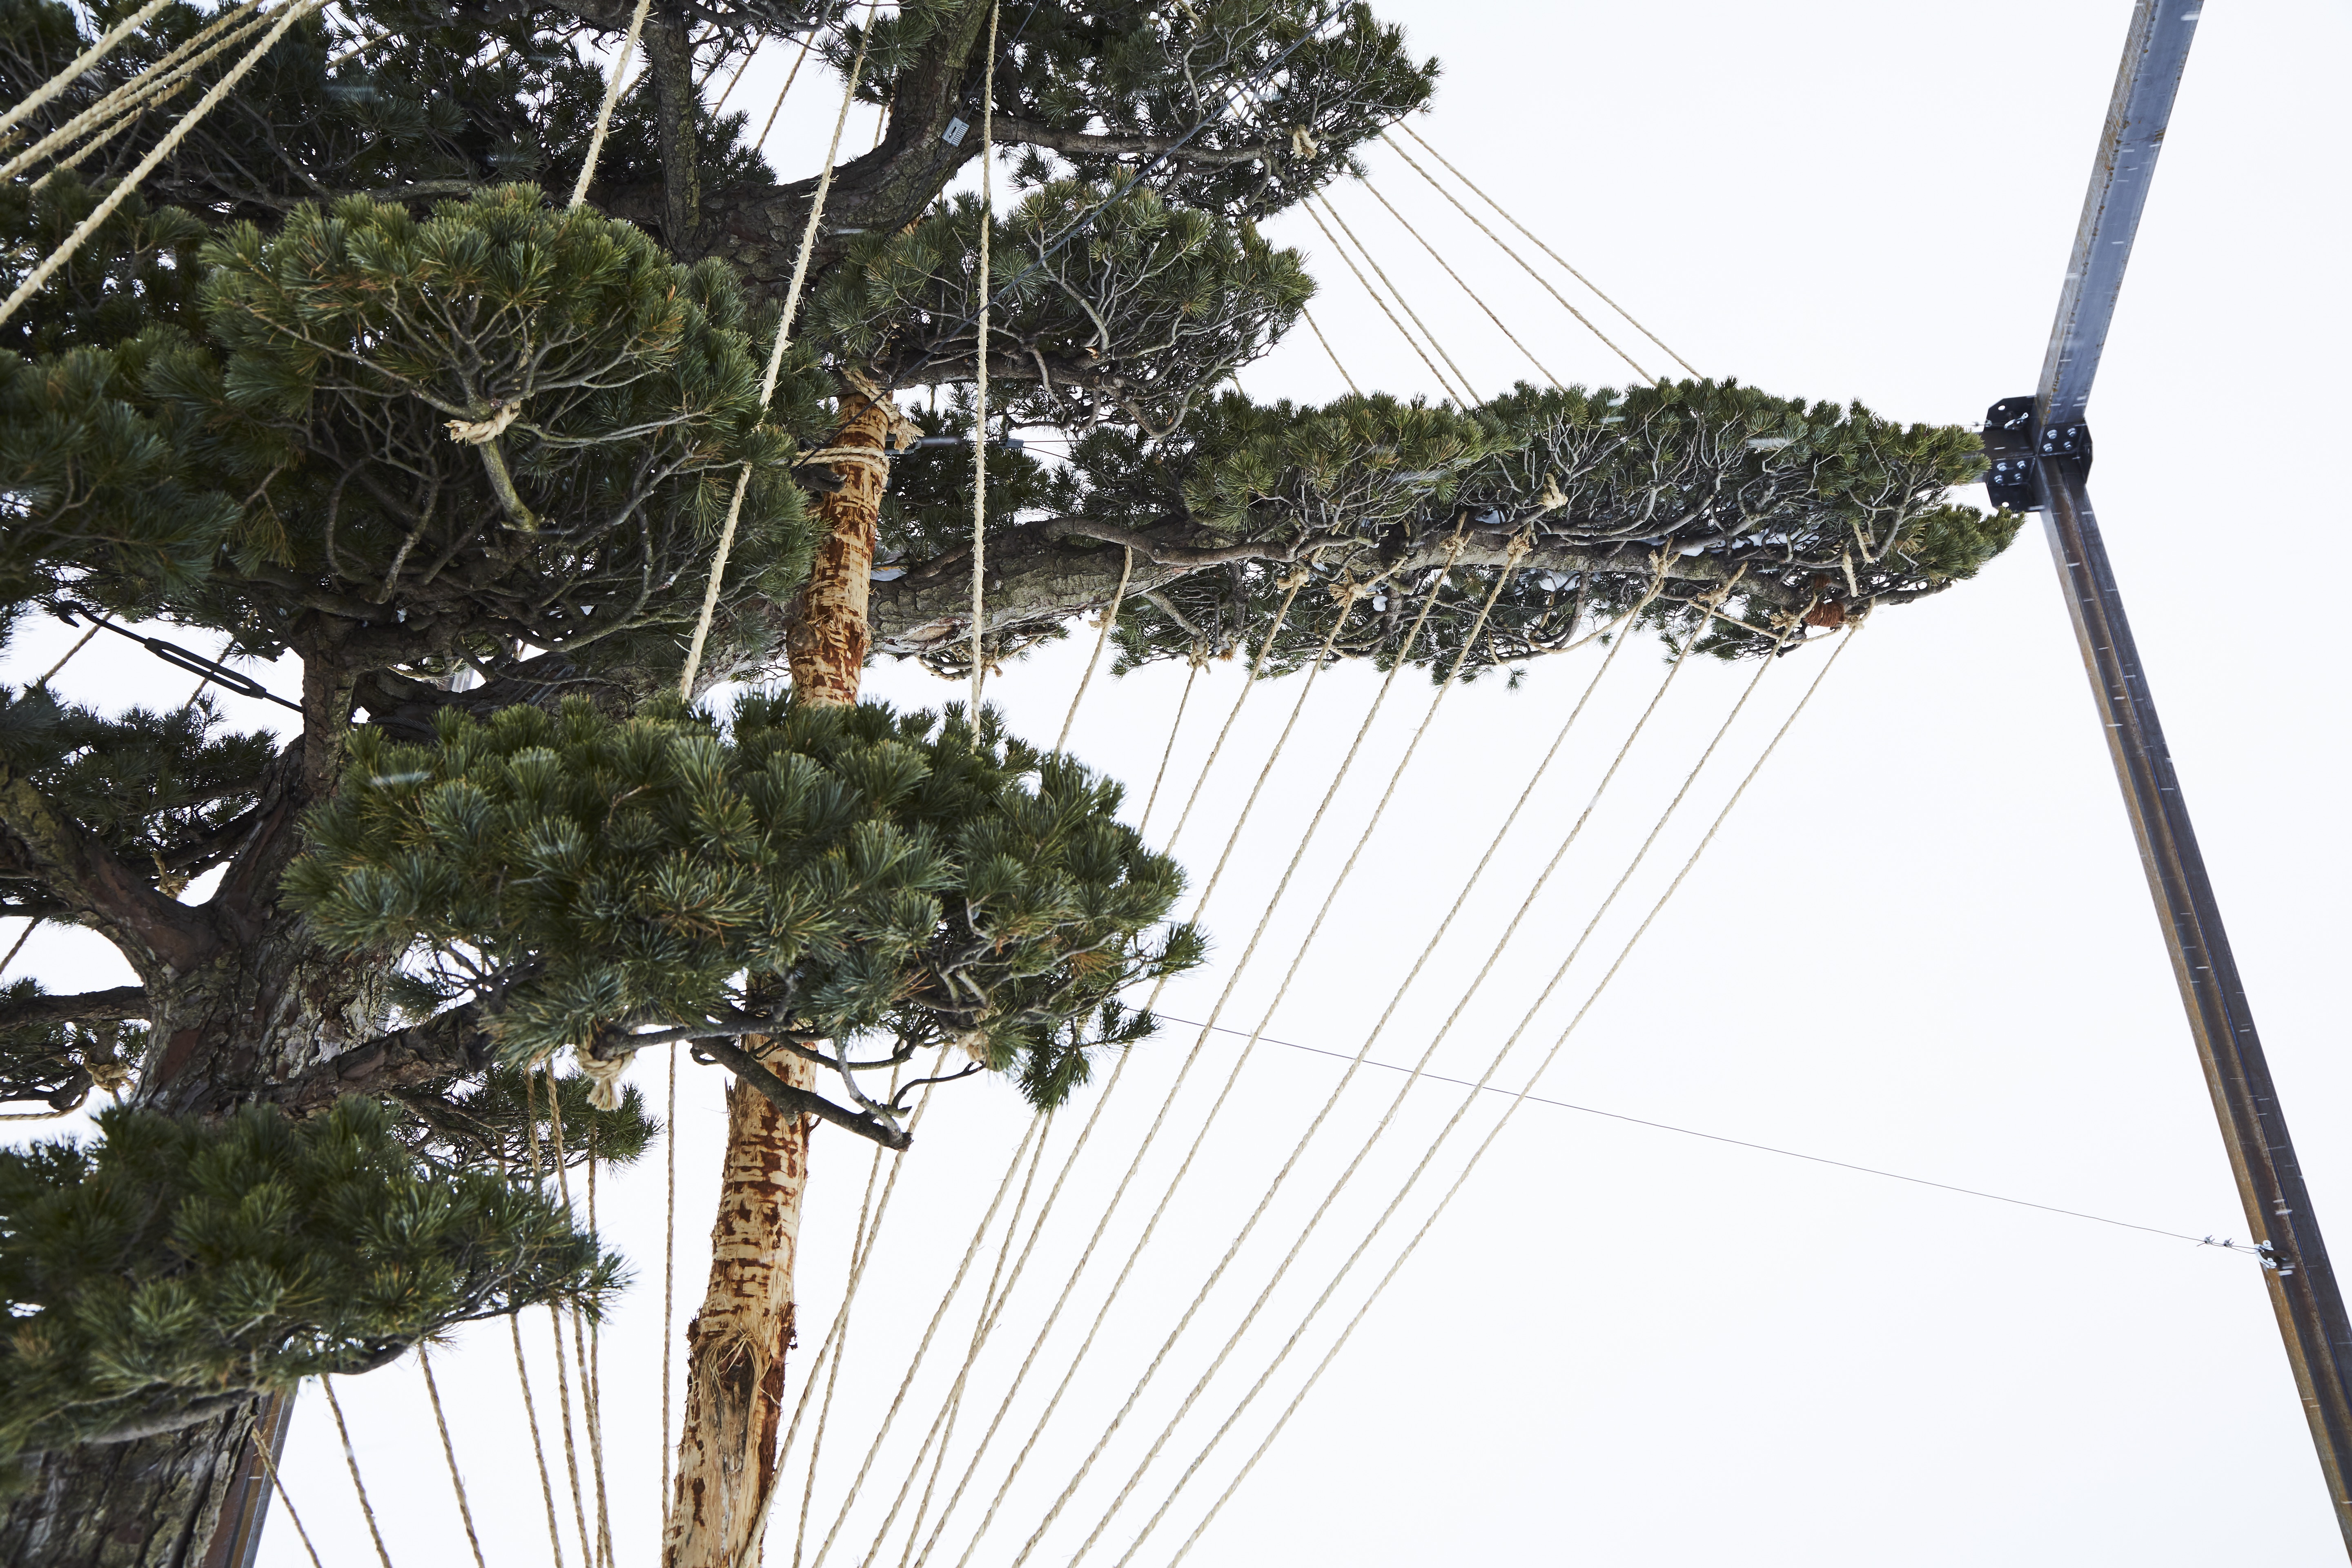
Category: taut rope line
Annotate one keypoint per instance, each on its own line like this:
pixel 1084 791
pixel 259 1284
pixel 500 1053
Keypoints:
pixel 1240 966
pixel 980 375
pixel 351 1459
pixel 1374 261
pixel 1546 249
pixel 81 63
pixel 1502 325
pixel 1378 298
pixel 1518 1099
pixel 164 148
pixel 1388 1117
pixel 1152 1134
pixel 775 357
pixel 1102 636
pixel 449 1451
pixel 605 109
pixel 922 1347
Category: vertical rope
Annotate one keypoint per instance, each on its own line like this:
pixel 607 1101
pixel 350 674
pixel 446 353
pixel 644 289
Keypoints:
pixel 775 354
pixel 601 1552
pixel 351 1459
pixel 979 379
pixel 555 1325
pixel 1110 618
pixel 165 146
pixel 449 1452
pixel 669 1274
pixel 269 1463
pixel 604 109
pixel 538 1445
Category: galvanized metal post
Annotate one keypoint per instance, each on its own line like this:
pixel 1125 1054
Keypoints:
pixel 2302 1283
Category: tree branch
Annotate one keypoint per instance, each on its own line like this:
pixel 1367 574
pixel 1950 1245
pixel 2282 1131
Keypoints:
pixel 1086 144
pixel 799 1102
pixel 443 1047
pixel 76 866
pixel 109 1006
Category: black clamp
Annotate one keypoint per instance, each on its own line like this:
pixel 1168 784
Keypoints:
pixel 2014 440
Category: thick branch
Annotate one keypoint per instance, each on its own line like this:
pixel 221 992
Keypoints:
pixel 444 1047
pixel 1084 144
pixel 78 867
pixel 799 1102
pixel 109 1006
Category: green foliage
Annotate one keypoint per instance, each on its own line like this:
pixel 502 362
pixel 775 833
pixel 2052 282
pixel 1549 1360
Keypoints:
pixel 160 789
pixel 338 350
pixel 816 874
pixel 137 271
pixel 1148 307
pixel 1799 498
pixel 176 1262
pixel 60 1060
pixel 495 1118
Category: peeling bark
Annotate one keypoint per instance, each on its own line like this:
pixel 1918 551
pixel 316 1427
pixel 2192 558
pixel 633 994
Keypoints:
pixel 737 1342
pixel 735 1346
pixel 154 1502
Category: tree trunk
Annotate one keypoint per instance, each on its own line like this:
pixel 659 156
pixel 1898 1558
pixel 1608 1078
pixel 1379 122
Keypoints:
pixel 737 1342
pixel 153 1502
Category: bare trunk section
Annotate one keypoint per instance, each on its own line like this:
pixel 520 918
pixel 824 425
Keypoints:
pixel 737 1342
pixel 154 1502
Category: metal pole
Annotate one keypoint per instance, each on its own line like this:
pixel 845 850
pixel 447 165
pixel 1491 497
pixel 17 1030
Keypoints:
pixel 2302 1283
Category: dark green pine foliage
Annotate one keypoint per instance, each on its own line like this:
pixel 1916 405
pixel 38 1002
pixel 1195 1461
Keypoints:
pixel 297 459
pixel 815 875
pixel 176 1266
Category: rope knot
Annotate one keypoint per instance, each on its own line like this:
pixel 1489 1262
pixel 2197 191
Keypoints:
pixel 1302 145
pixel 482 432
pixel 603 1074
pixel 1551 500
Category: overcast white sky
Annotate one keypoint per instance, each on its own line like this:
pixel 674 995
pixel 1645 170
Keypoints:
pixel 1923 942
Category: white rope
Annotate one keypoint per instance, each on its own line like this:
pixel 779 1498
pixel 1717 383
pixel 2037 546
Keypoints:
pixel 1184 1072
pixel 1299 958
pixel 923 1346
pixel 1102 636
pixel 163 149
pixel 1233 980
pixel 278 1484
pixel 538 1445
pixel 1374 190
pixel 1521 1098
pixel 555 1327
pixel 81 63
pixel 1190 675
pixel 1308 317
pixel 737 79
pixel 605 109
pixel 1298 579
pixel 775 357
pixel 790 76
pixel 992 1305
pixel 449 1452
pixel 1403 299
pixel 166 72
pixel 351 1459
pixel 979 378
pixel 1396 1105
pixel 1379 299
pixel 1546 249
pixel 591 1414
pixel 669 1273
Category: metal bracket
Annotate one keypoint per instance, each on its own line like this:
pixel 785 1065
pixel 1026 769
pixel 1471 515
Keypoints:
pixel 2013 440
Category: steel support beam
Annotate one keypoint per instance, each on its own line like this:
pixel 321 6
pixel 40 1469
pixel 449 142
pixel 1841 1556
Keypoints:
pixel 2300 1280
pixel 2279 1214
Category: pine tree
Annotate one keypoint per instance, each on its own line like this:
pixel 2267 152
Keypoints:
pixel 235 409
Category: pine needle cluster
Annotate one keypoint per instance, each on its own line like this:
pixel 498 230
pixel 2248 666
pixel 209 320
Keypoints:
pixel 175 1267
pixel 814 877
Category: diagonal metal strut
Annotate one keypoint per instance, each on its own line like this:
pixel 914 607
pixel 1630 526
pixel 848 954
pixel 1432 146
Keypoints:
pixel 2301 1282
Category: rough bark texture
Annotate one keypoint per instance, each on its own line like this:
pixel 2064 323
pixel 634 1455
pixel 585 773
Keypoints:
pixel 151 1503
pixel 736 1344
pixel 735 1347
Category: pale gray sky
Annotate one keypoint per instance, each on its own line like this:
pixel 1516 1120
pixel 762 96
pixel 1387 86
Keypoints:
pixel 1922 942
